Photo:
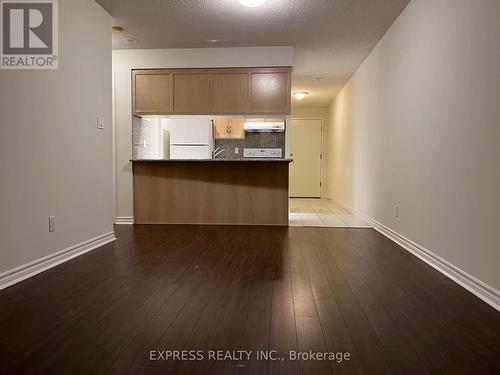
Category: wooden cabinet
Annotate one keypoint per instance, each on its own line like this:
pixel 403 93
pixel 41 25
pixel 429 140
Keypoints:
pixel 270 92
pixel 211 91
pixel 231 128
pixel 152 92
pixel 191 92
pixel 230 92
pixel 216 192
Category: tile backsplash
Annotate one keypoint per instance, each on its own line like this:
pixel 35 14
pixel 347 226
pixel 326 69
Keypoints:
pixel 141 139
pixel 251 140
pixel 146 142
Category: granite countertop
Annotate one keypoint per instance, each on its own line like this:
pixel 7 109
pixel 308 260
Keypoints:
pixel 214 160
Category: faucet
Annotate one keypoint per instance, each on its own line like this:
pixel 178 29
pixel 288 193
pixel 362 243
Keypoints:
pixel 217 152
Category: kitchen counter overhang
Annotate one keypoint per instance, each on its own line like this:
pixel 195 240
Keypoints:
pixel 279 160
pixel 211 191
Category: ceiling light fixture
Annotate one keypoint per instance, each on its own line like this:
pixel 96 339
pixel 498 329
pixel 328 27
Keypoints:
pixel 117 29
pixel 130 39
pixel 300 94
pixel 252 3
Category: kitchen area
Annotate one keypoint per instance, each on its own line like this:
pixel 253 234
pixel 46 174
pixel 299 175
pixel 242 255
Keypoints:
pixel 209 146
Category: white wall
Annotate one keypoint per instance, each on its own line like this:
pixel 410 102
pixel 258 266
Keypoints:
pixel 418 125
pixel 53 160
pixel 126 60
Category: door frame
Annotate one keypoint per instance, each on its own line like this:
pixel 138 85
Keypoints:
pixel 322 163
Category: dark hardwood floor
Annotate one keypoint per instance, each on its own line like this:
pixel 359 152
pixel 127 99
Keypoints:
pixel 246 288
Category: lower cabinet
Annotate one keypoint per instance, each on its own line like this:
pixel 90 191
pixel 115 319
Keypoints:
pixel 221 192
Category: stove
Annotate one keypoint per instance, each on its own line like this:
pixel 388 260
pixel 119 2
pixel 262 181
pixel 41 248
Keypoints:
pixel 263 153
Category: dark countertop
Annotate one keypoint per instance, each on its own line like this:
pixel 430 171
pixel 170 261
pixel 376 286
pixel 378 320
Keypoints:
pixel 246 160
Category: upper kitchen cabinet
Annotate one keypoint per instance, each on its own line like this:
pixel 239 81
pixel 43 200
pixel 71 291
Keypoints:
pixel 229 128
pixel 191 92
pixel 211 91
pixel 270 92
pixel 152 92
pixel 230 92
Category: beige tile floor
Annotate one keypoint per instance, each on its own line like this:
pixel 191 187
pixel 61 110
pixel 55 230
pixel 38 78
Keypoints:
pixel 305 212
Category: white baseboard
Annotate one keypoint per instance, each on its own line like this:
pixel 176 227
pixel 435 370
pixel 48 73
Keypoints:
pixel 480 289
pixel 25 271
pixel 124 220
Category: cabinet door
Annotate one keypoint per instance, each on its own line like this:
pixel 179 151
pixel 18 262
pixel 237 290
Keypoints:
pixel 270 92
pixel 191 93
pixel 229 128
pixel 151 92
pixel 230 92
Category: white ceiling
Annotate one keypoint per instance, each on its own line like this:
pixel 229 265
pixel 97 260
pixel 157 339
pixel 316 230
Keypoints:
pixel 331 37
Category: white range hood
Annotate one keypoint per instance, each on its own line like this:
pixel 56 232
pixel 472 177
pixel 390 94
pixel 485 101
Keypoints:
pixel 265 127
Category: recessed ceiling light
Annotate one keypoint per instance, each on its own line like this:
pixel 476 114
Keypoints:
pixel 300 94
pixel 130 39
pixel 252 3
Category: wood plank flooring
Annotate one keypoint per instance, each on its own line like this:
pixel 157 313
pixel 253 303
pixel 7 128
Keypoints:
pixel 246 288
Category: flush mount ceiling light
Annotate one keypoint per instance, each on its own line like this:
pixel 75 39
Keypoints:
pixel 252 3
pixel 300 94
pixel 130 39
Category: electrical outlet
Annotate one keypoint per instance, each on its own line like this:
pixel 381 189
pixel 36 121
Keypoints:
pixel 100 122
pixel 236 150
pixel 52 223
pixel 396 211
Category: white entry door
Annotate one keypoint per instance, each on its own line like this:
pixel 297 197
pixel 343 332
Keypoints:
pixel 305 150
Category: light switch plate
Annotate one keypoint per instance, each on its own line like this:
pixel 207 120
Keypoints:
pixel 100 122
pixel 52 223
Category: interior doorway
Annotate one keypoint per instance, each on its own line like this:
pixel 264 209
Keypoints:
pixel 306 152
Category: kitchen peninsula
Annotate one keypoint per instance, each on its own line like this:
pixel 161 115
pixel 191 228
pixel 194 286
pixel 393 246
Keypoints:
pixel 209 146
pixel 213 191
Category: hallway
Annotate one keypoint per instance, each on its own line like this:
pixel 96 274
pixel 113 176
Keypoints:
pixel 305 212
